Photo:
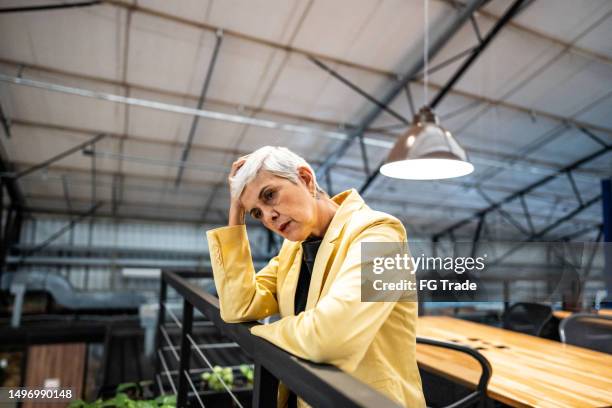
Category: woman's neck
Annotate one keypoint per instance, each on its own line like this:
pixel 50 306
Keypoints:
pixel 326 209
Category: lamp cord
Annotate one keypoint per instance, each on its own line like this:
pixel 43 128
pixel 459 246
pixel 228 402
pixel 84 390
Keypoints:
pixel 426 55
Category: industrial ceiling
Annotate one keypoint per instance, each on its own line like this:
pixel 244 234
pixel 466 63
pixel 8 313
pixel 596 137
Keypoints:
pixel 305 74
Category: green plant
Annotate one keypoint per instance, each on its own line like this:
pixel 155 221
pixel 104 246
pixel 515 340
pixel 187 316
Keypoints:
pixel 247 371
pixel 213 379
pixel 124 399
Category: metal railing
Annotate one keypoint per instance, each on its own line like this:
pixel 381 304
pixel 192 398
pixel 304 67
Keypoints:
pixel 320 385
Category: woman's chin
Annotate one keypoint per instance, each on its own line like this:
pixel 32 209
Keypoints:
pixel 291 237
pixel 294 236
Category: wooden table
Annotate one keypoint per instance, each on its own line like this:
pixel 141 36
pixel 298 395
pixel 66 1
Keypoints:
pixel 528 371
pixel 562 314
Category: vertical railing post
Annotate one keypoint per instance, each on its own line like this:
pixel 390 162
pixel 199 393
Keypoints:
pixel 506 295
pixel 185 354
pixel 161 319
pixel 265 388
pixel 606 195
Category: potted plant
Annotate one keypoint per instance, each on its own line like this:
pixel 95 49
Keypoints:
pixel 214 393
pixel 129 395
pixel 247 372
pixel 212 380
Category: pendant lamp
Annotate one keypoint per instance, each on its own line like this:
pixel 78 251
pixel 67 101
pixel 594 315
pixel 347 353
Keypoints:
pixel 426 151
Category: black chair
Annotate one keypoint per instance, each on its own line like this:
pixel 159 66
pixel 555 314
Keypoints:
pixel 528 318
pixel 587 330
pixel 477 397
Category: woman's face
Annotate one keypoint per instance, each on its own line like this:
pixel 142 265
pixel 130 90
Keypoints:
pixel 283 207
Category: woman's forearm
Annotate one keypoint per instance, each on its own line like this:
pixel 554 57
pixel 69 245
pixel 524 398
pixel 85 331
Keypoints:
pixel 236 215
pixel 243 295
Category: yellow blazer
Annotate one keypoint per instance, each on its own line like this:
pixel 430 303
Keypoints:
pixel 373 341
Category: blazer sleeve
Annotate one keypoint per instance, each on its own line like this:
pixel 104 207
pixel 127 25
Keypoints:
pixel 340 328
pixel 243 294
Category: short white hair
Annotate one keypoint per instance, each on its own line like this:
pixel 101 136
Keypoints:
pixel 277 160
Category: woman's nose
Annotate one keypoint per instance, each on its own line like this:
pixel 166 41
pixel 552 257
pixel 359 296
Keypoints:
pixel 274 215
pixel 271 215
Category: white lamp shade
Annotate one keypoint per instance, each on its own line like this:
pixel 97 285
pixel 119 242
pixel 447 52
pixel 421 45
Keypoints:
pixel 427 169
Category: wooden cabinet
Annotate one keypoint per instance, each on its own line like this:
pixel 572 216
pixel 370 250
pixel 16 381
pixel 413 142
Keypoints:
pixel 64 362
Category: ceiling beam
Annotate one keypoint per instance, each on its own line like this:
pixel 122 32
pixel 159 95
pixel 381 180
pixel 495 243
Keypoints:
pixel 46 163
pixel 547 37
pixel 138 210
pixel 526 190
pixel 200 189
pixel 22 66
pixel 529 111
pixel 467 63
pixel 375 70
pixel 300 51
pixel 491 158
pixel 151 12
pixel 173 108
pixel 47 7
pixel 135 216
pixel 12 186
pixel 200 105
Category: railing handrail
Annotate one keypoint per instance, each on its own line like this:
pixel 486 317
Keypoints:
pixel 317 384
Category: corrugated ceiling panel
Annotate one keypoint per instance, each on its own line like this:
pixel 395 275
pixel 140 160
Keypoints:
pixel 305 89
pixel 563 19
pixel 166 54
pixel 599 115
pixel 267 19
pixel 85 40
pixel 567 86
pixel 377 34
pixel 506 64
pixel 598 39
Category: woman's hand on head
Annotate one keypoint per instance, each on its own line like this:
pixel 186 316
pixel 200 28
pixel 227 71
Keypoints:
pixel 236 211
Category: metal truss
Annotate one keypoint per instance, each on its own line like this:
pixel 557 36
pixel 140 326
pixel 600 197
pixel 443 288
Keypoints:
pixel 167 107
pixel 478 100
pixel 508 15
pixel 196 119
pixel 12 221
pixel 70 225
pixel 17 209
pixel 520 196
pixel 487 157
pixel 341 136
pixel 44 7
pixel 606 192
pixel 55 158
pixel 359 90
pixel 5 122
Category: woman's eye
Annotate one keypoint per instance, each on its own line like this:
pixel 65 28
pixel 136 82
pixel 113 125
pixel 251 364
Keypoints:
pixel 256 213
pixel 269 195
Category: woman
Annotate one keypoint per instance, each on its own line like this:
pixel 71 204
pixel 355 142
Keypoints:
pixel 314 281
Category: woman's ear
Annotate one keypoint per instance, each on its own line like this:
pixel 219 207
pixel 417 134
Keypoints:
pixel 306 176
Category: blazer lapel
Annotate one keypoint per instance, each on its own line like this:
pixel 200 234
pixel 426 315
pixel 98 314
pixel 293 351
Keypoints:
pixel 319 269
pixel 287 296
pixel 349 201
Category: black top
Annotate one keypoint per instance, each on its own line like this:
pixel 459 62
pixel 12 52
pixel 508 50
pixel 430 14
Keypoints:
pixel 309 252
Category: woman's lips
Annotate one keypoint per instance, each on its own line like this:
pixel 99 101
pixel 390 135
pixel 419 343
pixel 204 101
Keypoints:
pixel 284 226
